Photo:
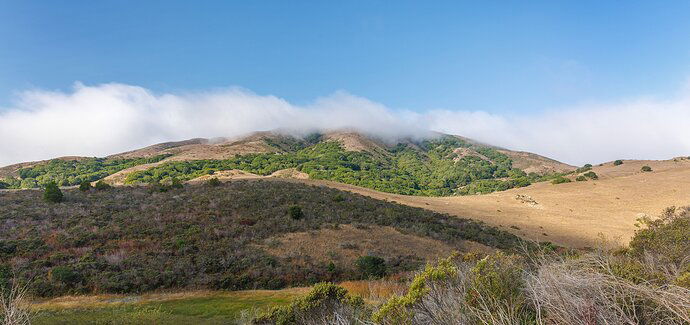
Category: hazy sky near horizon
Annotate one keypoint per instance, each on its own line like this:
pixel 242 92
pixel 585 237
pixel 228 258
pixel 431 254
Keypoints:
pixel 545 76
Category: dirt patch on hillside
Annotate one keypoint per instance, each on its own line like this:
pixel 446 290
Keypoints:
pixel 345 244
pixel 530 162
pixel 290 173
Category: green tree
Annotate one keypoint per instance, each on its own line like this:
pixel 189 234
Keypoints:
pixel 371 266
pixel 295 212
pixel 52 193
pixel 617 162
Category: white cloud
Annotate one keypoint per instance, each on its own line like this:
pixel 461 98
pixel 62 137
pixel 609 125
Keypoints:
pixel 110 118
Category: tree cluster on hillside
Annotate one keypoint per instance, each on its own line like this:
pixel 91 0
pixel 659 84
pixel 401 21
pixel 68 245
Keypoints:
pixel 432 168
pixel 132 239
pixel 72 172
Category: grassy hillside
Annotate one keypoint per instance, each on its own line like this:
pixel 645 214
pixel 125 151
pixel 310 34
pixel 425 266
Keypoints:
pixel 433 167
pixel 136 239
pixel 444 166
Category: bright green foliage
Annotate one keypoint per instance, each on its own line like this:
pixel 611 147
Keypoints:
pixel 646 169
pixel 371 266
pixel 560 180
pixel 320 303
pixel 52 193
pixel 667 237
pixel 618 162
pixel 431 168
pixel 74 172
pixel 85 186
pixel 397 310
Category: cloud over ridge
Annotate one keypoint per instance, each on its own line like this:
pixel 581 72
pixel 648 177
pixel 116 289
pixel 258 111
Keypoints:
pixel 110 118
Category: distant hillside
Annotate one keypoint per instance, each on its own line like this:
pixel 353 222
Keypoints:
pixel 444 165
pixel 237 235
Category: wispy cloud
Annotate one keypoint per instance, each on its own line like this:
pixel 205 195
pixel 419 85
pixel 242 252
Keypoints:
pixel 105 119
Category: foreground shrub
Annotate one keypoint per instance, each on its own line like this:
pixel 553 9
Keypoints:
pixel 580 178
pixel 14 305
pixel 326 303
pixel 52 193
pixel 586 291
pixel 489 291
pixel 646 169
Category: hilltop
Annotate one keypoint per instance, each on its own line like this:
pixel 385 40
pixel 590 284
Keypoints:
pixel 440 165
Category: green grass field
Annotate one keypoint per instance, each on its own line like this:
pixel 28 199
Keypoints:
pixel 188 308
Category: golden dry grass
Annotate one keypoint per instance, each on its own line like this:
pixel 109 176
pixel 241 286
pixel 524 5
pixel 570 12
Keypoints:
pixel 574 214
pixel 330 245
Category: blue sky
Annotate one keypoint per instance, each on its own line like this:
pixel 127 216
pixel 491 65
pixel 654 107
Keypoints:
pixel 501 57
pixel 578 81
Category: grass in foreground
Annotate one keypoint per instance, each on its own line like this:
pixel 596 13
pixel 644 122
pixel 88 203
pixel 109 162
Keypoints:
pixel 205 307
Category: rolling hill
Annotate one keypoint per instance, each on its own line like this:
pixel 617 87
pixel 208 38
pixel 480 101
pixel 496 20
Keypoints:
pixel 440 166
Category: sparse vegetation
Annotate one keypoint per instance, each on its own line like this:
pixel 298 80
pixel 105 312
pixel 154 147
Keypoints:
pixel 646 169
pixel 591 175
pixel 214 182
pixel 102 185
pixel 130 239
pixel 618 162
pixel 581 178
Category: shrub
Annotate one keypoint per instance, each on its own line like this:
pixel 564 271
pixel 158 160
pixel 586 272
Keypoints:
pixel 371 266
pixel 646 169
pixel 65 275
pixel 580 178
pixel 488 291
pixel 591 175
pixel 326 303
pixel 295 212
pixel 560 180
pixel 101 185
pixel 213 182
pixel 85 186
pixel 618 162
pixel 52 193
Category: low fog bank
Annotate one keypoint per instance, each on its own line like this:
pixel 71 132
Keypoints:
pixel 110 118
